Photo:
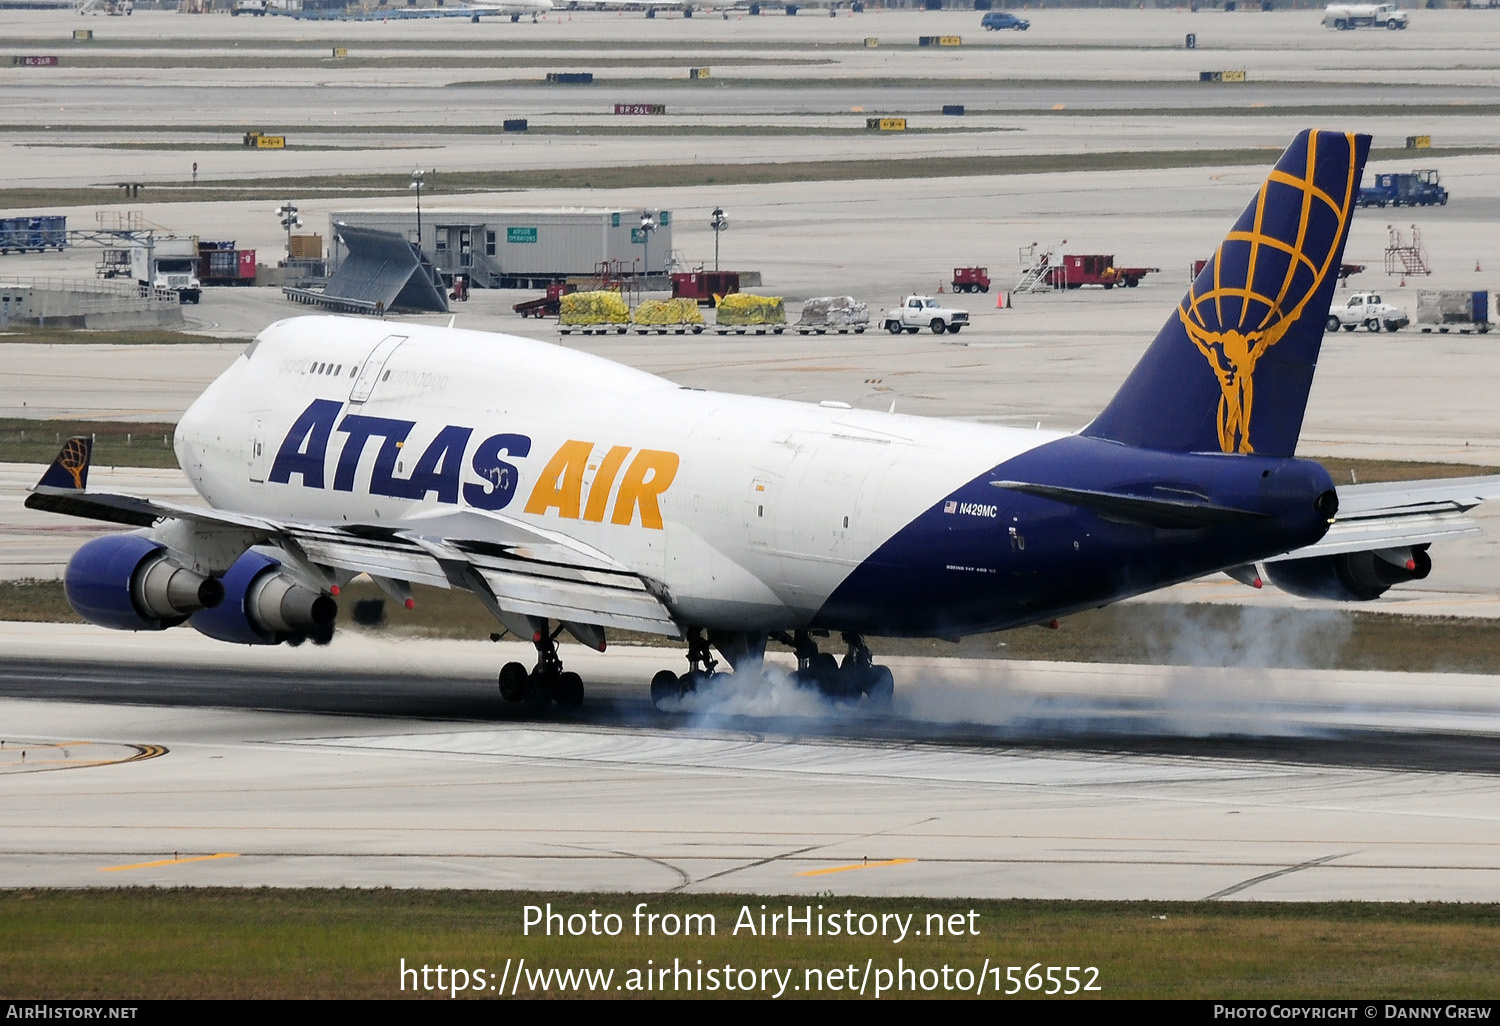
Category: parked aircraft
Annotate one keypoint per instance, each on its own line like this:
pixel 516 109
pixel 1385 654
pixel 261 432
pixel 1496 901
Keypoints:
pixel 567 492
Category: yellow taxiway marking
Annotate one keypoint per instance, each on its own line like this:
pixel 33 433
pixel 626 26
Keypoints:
pixel 172 862
pixel 857 865
pixel 38 757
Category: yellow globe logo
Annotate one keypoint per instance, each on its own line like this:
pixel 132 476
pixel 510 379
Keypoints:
pixel 1262 276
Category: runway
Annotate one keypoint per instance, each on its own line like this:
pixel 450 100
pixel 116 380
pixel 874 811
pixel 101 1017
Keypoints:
pixel 373 763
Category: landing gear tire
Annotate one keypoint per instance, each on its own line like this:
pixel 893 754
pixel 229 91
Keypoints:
pixel 880 687
pixel 513 682
pixel 822 672
pixel 538 695
pixel 664 686
pixel 569 691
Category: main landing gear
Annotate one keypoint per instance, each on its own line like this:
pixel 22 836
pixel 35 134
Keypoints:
pixel 702 668
pixel 857 676
pixel 548 682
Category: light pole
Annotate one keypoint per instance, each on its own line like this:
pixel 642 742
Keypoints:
pixel 647 227
pixel 416 183
pixel 718 224
pixel 289 220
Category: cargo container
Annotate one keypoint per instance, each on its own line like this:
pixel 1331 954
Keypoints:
pixel 33 234
pixel 306 247
pixel 219 263
pixel 1460 311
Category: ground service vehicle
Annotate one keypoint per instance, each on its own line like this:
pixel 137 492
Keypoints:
pixel 169 264
pixel 546 306
pixel 704 286
pixel 1074 271
pixel 1348 16
pixel 918 312
pixel 566 492
pixel 1367 310
pixel 971 279
pixel 995 20
pixel 1459 311
pixel 1408 189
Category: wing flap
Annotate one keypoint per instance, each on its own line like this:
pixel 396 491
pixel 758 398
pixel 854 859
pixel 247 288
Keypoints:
pixel 623 607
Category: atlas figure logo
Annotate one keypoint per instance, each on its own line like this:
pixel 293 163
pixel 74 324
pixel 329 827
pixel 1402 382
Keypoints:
pixel 437 473
pixel 1262 276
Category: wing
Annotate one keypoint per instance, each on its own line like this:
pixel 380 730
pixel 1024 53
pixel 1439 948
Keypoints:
pixel 1401 514
pixel 516 570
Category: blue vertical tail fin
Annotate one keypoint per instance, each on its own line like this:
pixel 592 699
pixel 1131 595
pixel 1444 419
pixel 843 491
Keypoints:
pixel 69 471
pixel 1231 369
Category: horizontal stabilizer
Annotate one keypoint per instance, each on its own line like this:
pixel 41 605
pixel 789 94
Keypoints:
pixel 1390 515
pixel 1149 511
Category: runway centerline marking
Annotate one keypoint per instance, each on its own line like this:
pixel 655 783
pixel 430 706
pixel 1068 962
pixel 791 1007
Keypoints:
pixel 857 865
pixel 171 862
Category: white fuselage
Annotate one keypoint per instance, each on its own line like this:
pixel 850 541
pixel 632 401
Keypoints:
pixel 748 511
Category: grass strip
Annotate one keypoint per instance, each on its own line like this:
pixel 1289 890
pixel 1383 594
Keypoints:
pixel 685 175
pixel 222 943
pixel 116 443
pixel 123 337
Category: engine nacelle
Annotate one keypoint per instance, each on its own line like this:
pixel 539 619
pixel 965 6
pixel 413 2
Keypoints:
pixel 131 583
pixel 1348 576
pixel 264 605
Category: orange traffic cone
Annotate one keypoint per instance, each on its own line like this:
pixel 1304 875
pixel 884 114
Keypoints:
pixel 1000 301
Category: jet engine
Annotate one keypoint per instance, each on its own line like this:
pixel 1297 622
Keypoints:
pixel 1350 576
pixel 131 583
pixel 264 605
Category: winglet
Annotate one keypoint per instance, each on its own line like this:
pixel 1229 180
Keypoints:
pixel 70 471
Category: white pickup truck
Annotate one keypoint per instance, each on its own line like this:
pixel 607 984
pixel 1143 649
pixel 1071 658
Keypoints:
pixel 1348 16
pixel 918 312
pixel 1367 310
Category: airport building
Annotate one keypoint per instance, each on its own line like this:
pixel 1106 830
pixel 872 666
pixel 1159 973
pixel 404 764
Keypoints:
pixel 524 248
